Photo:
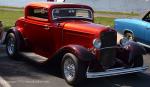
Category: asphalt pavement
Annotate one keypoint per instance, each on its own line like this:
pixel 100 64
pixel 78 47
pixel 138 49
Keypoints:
pixel 24 73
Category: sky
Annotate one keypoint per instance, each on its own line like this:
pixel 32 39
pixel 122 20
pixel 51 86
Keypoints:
pixel 100 5
pixel 19 3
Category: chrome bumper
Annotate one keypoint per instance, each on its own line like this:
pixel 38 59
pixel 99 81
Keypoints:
pixel 116 71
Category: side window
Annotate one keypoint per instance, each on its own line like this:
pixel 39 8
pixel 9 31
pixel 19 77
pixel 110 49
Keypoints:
pixel 38 12
pixel 147 17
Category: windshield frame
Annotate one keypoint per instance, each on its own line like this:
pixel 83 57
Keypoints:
pixel 91 14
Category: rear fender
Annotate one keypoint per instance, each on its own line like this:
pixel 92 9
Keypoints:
pixel 20 40
pixel 11 30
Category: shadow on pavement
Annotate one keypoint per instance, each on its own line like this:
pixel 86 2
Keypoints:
pixel 130 80
pixel 147 50
pixel 27 68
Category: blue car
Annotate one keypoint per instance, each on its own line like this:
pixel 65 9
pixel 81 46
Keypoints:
pixel 135 29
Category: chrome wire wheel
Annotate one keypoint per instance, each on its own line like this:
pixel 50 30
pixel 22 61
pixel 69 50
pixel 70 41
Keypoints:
pixel 69 69
pixel 11 45
pixel 73 69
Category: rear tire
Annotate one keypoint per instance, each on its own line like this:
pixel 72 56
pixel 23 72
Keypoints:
pixel 12 46
pixel 73 70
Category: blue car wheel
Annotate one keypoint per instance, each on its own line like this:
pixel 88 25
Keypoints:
pixel 129 36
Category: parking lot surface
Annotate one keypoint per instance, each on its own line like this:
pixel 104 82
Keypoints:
pixel 24 73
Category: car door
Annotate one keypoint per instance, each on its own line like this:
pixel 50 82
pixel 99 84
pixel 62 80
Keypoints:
pixel 38 31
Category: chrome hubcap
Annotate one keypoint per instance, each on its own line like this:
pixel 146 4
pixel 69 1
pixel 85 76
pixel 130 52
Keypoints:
pixel 126 39
pixel 11 46
pixel 129 37
pixel 69 69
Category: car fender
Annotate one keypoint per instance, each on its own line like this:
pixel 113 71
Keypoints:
pixel 122 25
pixel 127 30
pixel 134 49
pixel 79 51
pixel 18 36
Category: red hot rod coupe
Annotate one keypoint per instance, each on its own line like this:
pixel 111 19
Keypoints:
pixel 66 33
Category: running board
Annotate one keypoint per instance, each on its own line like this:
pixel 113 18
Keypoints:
pixel 117 71
pixel 34 57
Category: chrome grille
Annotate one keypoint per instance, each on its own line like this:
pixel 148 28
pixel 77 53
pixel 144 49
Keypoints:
pixel 108 39
pixel 108 55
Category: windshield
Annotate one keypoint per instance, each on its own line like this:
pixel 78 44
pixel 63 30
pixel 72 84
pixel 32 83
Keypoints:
pixel 71 13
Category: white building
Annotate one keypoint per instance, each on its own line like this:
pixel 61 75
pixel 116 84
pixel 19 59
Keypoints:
pixel 116 5
pixel 99 5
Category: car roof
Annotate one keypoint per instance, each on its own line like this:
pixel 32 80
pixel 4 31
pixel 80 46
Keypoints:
pixel 57 4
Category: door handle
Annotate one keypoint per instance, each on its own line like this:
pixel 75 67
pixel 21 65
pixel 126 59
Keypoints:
pixel 46 27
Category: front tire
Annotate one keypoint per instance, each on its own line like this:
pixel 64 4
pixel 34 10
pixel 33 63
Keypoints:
pixel 137 61
pixel 73 70
pixel 12 46
pixel 129 36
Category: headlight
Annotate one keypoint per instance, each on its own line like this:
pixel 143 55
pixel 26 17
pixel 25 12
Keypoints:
pixel 123 41
pixel 97 43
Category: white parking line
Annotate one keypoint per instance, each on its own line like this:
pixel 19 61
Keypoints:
pixel 4 83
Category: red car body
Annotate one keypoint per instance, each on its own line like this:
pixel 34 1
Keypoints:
pixel 51 38
pixel 42 40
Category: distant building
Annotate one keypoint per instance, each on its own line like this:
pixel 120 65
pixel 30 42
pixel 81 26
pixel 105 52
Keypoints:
pixel 18 3
pixel 116 5
pixel 22 3
pixel 56 0
pixel 51 0
pixel 98 5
